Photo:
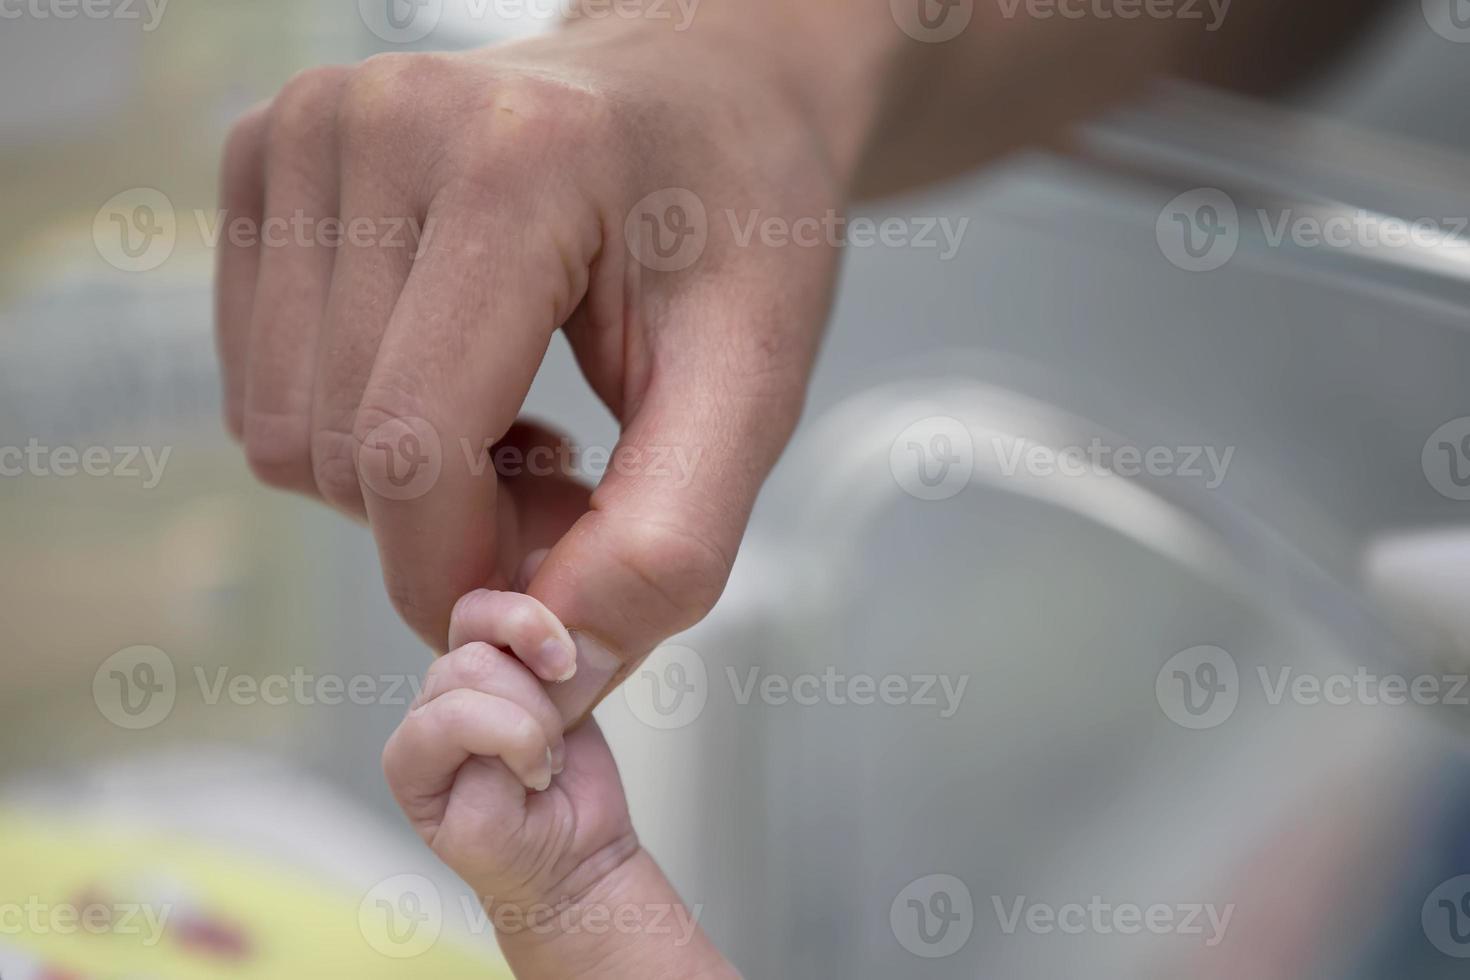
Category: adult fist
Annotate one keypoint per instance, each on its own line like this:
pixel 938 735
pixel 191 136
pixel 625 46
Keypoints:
pixel 427 221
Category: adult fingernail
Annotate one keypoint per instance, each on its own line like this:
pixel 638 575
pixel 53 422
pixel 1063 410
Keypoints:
pixel 597 656
pixel 559 659
pixel 597 668
pixel 529 565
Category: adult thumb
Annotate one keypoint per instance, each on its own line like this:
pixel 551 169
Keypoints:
pixel 652 554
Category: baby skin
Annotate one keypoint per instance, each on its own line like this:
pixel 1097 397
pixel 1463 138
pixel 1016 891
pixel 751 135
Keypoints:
pixel 532 817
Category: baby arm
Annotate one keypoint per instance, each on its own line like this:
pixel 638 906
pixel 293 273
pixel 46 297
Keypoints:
pixel 534 819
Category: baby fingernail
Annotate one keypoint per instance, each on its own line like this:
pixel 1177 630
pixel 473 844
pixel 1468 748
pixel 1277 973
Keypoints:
pixel 558 758
pixel 542 779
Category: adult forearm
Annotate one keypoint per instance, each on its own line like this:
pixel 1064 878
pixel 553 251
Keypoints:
pixel 910 91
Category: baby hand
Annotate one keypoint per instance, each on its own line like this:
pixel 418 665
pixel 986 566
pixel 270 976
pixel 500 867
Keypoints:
pixel 528 815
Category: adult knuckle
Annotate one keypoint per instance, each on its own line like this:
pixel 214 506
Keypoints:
pixel 242 146
pixel 277 448
pixel 234 420
pixel 530 122
pixel 334 468
pixel 306 103
pixel 381 419
pixel 684 568
pixel 383 95
pixel 383 407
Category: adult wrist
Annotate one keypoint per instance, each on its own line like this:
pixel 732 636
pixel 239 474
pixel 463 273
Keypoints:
pixel 828 62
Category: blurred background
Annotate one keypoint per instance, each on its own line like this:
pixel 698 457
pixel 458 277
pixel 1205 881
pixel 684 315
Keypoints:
pixel 1194 705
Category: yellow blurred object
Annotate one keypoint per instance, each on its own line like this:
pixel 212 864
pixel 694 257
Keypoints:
pixel 79 902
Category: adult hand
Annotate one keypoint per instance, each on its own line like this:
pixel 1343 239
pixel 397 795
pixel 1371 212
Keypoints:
pixel 375 370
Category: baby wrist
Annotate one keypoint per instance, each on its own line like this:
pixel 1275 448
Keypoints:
pixel 624 920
